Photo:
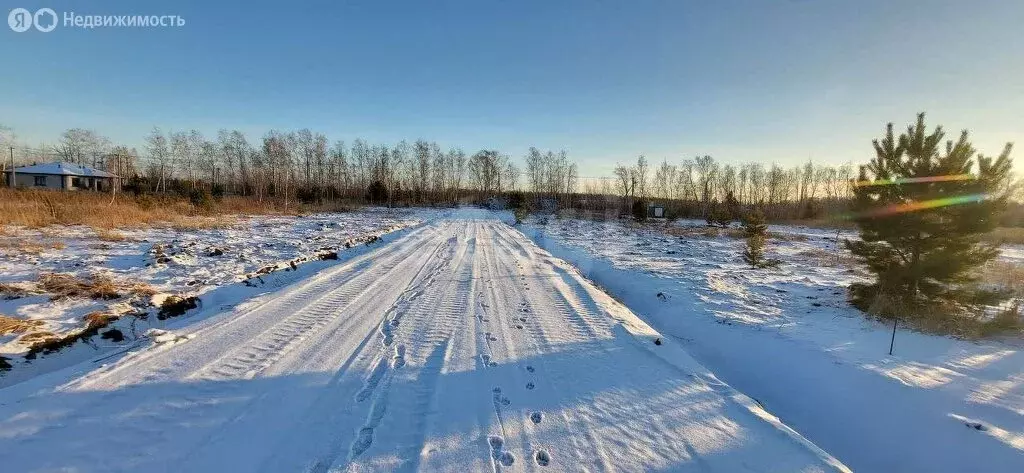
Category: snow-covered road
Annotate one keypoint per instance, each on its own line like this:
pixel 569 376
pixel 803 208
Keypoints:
pixel 460 346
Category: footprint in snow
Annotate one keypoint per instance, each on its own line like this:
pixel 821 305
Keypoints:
pixel 529 368
pixel 542 458
pixel 536 417
pixel 530 385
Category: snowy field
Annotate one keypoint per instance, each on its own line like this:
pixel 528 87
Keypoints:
pixel 456 345
pixel 788 338
pixel 220 266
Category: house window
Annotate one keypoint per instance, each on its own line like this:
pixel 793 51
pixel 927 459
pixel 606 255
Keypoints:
pixel 76 182
pixel 40 181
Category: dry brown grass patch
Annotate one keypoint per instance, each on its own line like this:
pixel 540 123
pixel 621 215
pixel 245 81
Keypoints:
pixel 50 343
pixel 36 337
pixel 830 257
pixel 10 325
pixel 14 246
pixel 1005 275
pixel 97 286
pixel 14 291
pixel 99 319
pixel 63 286
pixel 109 235
pixel 38 208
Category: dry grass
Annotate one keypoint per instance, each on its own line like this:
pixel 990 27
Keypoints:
pixel 109 235
pixel 65 286
pixel 13 246
pixel 97 286
pixel 1003 235
pixel 1004 275
pixel 829 257
pixel 47 342
pixel 14 291
pixel 11 325
pixel 783 236
pixel 39 208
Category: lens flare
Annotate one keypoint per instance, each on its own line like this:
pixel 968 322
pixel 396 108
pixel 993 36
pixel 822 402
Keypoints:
pixel 913 180
pixel 923 205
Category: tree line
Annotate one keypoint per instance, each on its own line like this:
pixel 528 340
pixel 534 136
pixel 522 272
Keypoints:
pixel 697 187
pixel 305 166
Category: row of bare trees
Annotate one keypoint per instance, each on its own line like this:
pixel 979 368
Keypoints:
pixel 700 183
pixel 305 164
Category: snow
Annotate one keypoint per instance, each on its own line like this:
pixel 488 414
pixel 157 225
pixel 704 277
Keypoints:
pixel 456 345
pixel 222 266
pixel 788 338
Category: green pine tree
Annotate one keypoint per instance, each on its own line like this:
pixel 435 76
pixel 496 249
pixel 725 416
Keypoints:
pixel 755 229
pixel 921 213
pixel 732 206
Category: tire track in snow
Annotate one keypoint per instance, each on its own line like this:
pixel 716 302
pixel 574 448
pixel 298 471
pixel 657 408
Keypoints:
pixel 213 384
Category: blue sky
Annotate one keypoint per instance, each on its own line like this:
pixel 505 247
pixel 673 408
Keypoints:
pixel 772 81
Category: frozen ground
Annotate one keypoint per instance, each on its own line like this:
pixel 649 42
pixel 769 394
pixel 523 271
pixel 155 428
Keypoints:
pixel 454 346
pixel 788 338
pixel 222 266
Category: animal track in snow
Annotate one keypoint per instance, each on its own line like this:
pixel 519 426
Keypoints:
pixel 542 458
pixel 530 385
pixel 506 458
pixel 529 368
pixel 536 417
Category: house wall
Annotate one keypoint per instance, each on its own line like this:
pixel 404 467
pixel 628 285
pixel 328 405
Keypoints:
pixel 29 181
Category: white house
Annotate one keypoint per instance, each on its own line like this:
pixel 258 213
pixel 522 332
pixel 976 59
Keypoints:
pixel 64 176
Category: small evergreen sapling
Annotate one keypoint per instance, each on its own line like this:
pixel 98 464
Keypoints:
pixel 755 229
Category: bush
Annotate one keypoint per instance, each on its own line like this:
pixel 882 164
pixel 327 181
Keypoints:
pixel 720 216
pixel 201 200
pixel 517 200
pixel 174 306
pixel 520 214
pixel 377 193
pixel 640 210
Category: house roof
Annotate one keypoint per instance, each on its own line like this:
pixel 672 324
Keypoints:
pixel 63 169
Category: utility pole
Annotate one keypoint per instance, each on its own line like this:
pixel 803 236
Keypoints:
pixel 892 341
pixel 14 175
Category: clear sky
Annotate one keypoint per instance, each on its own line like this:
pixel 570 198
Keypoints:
pixel 778 81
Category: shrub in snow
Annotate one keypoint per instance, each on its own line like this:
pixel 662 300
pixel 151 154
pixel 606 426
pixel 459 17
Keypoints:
pixel 520 214
pixel 640 210
pixel 174 306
